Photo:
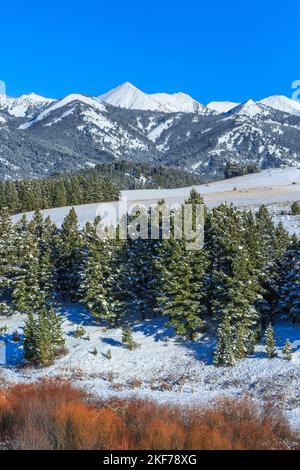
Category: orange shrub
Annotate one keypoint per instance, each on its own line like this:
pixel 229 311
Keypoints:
pixel 81 427
pixel 55 415
pixel 163 435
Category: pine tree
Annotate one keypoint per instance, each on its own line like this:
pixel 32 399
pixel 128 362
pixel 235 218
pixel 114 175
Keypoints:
pixel 45 346
pixel 104 281
pixel 55 324
pixel 182 287
pixel 288 290
pixel 225 354
pixel 223 238
pixel 243 291
pixel 26 295
pixel 8 260
pixel 70 257
pixel 30 330
pixel 270 342
pixel 142 272
pixel 127 338
pixel 287 350
pixel 43 337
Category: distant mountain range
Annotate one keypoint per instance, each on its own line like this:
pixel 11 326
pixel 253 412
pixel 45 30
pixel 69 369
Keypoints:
pixel 41 136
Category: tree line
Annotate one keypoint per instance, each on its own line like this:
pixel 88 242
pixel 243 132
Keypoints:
pixel 99 184
pixel 247 271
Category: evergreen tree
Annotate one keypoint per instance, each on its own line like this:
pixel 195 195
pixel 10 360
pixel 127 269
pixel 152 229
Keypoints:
pixel 225 354
pixel 223 238
pixel 70 257
pixel 30 345
pixel 26 294
pixel 43 337
pixel 243 291
pixel 7 259
pixel 127 338
pixel 270 342
pixel 287 350
pixel 182 287
pixel 288 292
pixel 103 277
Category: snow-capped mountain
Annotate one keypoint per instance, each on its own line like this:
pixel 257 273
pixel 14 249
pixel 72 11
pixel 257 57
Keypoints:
pixel 40 136
pixel 129 97
pixel 179 103
pixel 25 105
pixel 221 106
pixel 283 103
pixel 251 109
pixel 249 133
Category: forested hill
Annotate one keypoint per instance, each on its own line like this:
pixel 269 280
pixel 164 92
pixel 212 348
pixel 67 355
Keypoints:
pixel 99 184
pixel 129 175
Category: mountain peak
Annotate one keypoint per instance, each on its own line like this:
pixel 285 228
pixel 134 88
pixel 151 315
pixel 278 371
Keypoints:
pixel 221 106
pixel 130 97
pixel 250 108
pixel 282 103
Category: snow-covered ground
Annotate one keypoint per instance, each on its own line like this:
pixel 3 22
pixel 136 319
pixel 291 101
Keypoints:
pixel 163 367
pixel 277 188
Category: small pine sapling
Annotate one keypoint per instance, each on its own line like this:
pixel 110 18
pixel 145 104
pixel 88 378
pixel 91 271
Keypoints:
pixel 270 342
pixel 127 339
pixel 79 332
pixel 109 355
pixel 287 350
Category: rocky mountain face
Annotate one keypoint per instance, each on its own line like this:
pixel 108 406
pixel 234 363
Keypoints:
pixel 39 136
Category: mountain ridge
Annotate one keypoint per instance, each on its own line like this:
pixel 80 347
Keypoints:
pixel 79 131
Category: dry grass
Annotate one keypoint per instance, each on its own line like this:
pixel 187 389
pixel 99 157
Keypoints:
pixel 55 415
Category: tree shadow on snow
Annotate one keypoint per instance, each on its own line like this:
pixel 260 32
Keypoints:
pixel 112 342
pixel 156 328
pixel 77 314
pixel 202 349
pixel 12 353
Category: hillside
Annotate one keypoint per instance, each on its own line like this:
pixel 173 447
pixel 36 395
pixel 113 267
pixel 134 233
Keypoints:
pixel 41 137
pixel 277 188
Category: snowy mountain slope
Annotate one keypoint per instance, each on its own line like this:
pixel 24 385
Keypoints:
pixel 25 105
pixel 69 99
pixel 221 106
pixel 179 103
pixel 129 97
pixel 89 130
pixel 276 187
pixel 80 130
pixel 249 133
pixel 282 103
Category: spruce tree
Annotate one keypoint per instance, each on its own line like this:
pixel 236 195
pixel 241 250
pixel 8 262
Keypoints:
pixel 127 338
pixel 30 331
pixel 288 291
pixel 287 350
pixel 26 293
pixel 8 260
pixel 182 292
pixel 270 342
pixel 104 282
pixel 225 354
pixel 70 257
pixel 43 337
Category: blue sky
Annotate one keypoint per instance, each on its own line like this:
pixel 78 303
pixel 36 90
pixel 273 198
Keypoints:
pixel 211 49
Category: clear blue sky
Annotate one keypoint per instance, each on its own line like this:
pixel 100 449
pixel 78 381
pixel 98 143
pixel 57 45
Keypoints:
pixel 211 49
